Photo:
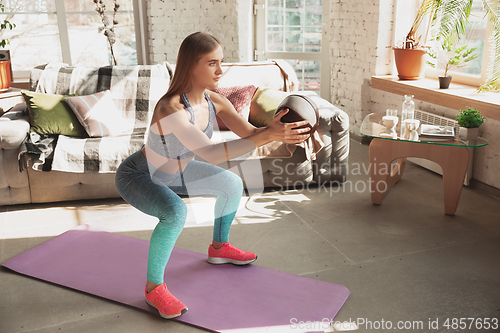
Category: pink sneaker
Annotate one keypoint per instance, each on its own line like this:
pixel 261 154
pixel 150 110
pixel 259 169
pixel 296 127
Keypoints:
pixel 229 254
pixel 166 303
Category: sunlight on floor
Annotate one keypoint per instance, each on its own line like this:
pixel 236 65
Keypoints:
pixel 46 220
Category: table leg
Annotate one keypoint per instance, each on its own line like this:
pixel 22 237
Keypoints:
pixel 454 170
pixel 452 159
pixel 381 180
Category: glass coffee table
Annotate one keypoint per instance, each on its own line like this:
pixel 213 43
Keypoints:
pixel 452 156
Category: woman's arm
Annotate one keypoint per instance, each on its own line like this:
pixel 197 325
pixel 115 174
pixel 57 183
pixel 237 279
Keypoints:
pixel 195 140
pixel 227 113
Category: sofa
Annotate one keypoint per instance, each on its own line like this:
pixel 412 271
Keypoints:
pixel 77 168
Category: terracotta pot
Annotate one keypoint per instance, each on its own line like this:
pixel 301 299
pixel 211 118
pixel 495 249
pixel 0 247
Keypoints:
pixel 444 82
pixel 5 78
pixel 410 63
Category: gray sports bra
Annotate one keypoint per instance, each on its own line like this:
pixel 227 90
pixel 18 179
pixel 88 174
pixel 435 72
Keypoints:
pixel 169 146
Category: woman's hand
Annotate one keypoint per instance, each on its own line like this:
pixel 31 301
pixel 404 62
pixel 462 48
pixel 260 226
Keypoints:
pixel 288 132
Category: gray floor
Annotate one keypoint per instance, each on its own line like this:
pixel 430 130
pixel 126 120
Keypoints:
pixel 404 261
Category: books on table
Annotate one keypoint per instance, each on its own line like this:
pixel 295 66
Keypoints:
pixel 436 133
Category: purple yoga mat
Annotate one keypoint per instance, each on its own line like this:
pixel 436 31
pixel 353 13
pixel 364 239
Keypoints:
pixel 219 297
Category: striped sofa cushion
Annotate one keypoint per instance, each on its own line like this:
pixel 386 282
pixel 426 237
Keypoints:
pixel 99 116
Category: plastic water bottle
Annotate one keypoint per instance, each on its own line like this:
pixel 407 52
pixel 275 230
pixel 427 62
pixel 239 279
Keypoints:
pixel 407 112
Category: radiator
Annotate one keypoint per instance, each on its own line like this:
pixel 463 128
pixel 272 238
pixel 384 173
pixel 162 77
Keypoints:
pixel 426 117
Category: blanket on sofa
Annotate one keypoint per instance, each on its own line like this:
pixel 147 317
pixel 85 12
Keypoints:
pixel 38 148
pixel 134 89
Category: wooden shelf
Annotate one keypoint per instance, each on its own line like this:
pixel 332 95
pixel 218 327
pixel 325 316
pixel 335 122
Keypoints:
pixel 10 98
pixel 458 96
pixel 21 84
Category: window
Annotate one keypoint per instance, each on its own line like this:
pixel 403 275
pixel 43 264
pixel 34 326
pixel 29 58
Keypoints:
pixel 478 35
pixel 67 31
pixel 479 31
pixel 292 30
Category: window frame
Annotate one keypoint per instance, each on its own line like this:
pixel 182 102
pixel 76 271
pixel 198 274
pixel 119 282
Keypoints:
pixel 261 53
pixel 140 27
pixel 470 79
pixel 402 25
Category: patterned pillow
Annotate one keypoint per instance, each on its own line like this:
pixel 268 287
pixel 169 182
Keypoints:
pixel 99 116
pixel 240 97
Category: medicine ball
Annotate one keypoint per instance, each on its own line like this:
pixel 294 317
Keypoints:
pixel 301 108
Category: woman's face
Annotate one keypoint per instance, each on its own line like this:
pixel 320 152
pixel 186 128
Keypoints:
pixel 207 71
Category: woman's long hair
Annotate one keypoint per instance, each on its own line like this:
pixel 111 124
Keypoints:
pixel 192 48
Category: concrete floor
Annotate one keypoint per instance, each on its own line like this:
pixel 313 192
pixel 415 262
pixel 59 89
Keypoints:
pixel 404 261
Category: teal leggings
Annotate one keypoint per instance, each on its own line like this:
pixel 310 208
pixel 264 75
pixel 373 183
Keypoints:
pixel 157 194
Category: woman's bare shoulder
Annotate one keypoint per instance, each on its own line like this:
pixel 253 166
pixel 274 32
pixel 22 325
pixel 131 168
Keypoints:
pixel 215 97
pixel 219 101
pixel 167 106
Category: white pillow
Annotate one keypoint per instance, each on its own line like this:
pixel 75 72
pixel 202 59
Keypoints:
pixel 99 116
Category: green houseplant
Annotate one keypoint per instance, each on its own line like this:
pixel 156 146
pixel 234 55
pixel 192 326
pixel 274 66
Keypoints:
pixel 458 58
pixel 5 25
pixel 447 20
pixel 469 121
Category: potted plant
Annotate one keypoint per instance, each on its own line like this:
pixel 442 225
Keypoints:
pixel 5 66
pixel 450 58
pixel 447 20
pixel 469 121
pixel 409 55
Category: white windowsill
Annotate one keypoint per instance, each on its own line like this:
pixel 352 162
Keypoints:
pixel 458 96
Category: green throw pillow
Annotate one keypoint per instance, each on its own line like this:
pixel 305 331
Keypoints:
pixel 263 105
pixel 51 115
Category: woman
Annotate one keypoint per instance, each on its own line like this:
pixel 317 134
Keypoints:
pixel 181 127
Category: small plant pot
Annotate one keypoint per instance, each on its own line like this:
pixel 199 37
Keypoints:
pixel 444 82
pixel 468 134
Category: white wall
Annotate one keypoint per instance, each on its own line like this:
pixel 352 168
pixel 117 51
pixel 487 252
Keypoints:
pixel 360 39
pixel 171 21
